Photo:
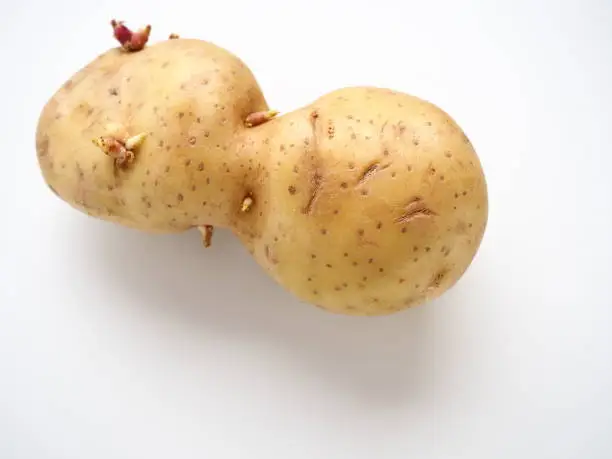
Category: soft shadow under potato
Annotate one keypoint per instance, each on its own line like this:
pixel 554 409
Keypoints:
pixel 385 361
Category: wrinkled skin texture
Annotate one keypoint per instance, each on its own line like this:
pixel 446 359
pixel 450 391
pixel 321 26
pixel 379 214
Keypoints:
pixel 366 202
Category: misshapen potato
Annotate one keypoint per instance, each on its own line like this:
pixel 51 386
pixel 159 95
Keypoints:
pixel 365 202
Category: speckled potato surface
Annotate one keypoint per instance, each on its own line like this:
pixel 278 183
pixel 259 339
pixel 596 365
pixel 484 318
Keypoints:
pixel 365 202
pixel 189 96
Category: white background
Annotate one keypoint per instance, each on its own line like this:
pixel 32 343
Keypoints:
pixel 115 344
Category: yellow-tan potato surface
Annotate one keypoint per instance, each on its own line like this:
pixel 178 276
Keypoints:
pixel 189 96
pixel 365 202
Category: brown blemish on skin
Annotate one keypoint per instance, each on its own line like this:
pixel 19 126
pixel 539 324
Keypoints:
pixel 192 140
pixel 415 209
pixel 316 179
pixel 437 279
pixel 79 170
pixel 368 172
pixel 411 301
pixel 269 256
pixel 399 129
pixel 42 146
pixel 331 130
pixel 461 227
pixel 382 130
pixel 113 91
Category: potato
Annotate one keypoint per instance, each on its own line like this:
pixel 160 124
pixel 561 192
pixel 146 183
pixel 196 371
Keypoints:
pixel 365 202
pixel 190 98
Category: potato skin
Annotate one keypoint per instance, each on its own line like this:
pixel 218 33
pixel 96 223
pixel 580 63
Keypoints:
pixel 365 202
pixel 377 202
pixel 189 96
